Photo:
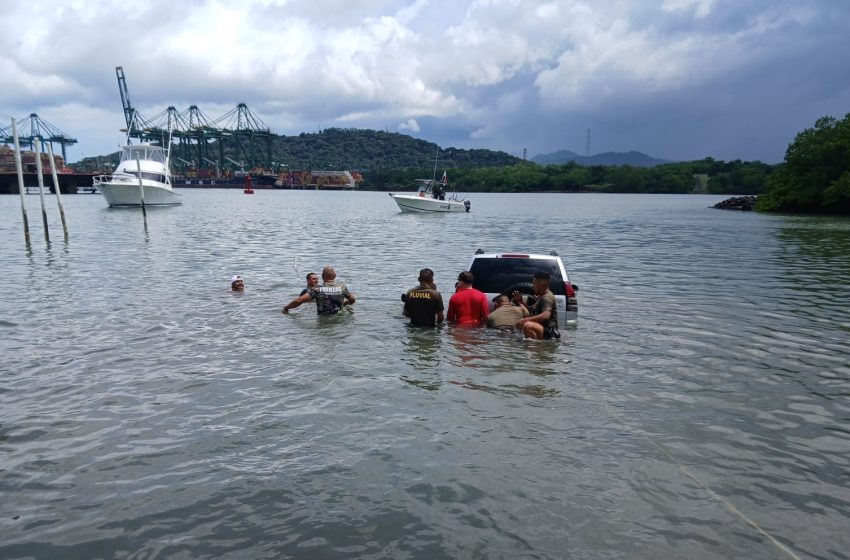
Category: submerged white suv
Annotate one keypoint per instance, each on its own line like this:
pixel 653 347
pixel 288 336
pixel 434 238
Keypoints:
pixel 504 273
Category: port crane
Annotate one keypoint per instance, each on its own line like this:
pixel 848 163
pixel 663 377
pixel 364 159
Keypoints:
pixel 239 133
pixel 34 129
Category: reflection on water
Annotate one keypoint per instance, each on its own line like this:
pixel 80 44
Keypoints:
pixel 698 409
pixel 819 248
pixel 421 348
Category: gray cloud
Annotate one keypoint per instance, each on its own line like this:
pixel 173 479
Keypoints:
pixel 679 79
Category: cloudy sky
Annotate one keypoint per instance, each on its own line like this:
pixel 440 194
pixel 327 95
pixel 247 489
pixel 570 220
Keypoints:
pixel 677 79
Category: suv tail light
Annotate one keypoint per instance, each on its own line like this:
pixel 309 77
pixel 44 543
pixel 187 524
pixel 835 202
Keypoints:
pixel 568 289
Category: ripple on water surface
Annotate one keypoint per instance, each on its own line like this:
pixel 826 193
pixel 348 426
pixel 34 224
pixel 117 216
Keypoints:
pixel 698 410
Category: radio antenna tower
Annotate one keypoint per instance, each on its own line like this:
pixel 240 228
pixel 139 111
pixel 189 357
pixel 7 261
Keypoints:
pixel 587 148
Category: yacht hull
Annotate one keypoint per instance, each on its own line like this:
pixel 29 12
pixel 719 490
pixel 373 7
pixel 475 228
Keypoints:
pixel 130 195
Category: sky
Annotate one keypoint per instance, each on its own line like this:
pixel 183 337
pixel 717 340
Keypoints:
pixel 675 79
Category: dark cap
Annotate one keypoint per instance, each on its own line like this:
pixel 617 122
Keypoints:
pixel 465 277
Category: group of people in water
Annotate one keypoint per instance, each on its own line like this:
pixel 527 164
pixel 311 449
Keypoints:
pixel 423 304
pixel 469 307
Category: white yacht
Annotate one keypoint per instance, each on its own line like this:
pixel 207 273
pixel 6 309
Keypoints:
pixel 123 187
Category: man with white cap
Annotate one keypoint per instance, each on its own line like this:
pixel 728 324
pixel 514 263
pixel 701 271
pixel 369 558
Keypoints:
pixel 237 284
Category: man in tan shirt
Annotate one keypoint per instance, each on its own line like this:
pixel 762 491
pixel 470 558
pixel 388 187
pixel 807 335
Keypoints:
pixel 505 316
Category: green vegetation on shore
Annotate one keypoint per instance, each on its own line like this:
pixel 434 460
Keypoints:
pixel 815 176
pixel 706 175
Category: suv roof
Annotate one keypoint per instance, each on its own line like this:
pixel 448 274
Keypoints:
pixel 495 272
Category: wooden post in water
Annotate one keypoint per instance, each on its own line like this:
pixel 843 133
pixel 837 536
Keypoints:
pixel 39 172
pixel 21 188
pixel 141 186
pixel 56 186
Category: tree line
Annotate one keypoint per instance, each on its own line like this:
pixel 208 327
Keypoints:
pixel 708 175
pixel 815 176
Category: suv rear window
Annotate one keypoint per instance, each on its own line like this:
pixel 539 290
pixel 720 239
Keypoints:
pixel 495 275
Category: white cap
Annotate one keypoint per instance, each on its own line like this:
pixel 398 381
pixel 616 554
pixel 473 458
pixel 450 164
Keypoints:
pixel 235 278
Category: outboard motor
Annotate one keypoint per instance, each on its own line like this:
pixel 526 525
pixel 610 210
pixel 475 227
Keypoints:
pixel 466 204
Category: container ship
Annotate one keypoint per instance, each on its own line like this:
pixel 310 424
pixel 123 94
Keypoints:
pixel 69 180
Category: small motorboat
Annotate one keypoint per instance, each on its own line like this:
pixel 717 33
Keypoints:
pixel 430 197
pixel 125 187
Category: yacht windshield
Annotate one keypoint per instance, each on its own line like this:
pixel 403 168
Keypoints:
pixel 151 153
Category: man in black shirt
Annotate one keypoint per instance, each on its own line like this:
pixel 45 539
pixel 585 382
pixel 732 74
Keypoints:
pixel 424 304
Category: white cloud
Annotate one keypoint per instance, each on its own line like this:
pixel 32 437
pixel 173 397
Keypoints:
pixel 410 125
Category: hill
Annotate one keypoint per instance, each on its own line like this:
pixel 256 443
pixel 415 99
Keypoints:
pixel 360 149
pixel 634 159
pixel 350 149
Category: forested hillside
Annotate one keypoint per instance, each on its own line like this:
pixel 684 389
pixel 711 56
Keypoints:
pixel 353 150
pixel 371 150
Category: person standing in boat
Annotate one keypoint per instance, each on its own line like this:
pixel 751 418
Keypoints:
pixel 424 304
pixel 330 297
pixel 468 307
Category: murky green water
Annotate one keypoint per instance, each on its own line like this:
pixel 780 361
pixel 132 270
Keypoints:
pixel 699 410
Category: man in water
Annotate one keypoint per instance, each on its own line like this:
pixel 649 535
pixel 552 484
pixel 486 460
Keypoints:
pixel 505 316
pixel 424 304
pixel 467 307
pixel 330 297
pixel 312 282
pixel 543 323
pixel 237 284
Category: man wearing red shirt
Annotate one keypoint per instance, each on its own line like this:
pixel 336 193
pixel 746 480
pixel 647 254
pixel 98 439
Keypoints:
pixel 468 307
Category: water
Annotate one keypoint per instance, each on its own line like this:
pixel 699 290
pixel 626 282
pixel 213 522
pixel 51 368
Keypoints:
pixel 699 410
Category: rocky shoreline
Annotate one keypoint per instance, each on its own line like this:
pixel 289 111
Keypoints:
pixel 743 203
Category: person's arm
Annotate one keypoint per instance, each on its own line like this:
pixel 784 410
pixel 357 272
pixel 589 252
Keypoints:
pixel 349 297
pixel 296 302
pixel 485 308
pixel 440 316
pixel 451 314
pixel 541 317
